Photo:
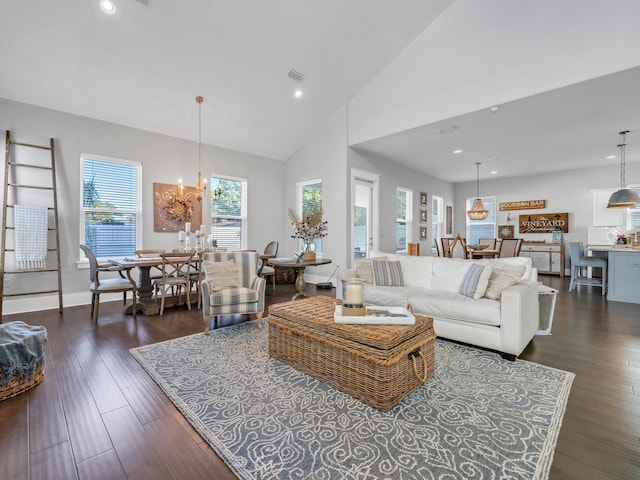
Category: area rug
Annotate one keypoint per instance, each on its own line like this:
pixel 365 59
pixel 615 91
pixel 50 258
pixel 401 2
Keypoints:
pixel 478 417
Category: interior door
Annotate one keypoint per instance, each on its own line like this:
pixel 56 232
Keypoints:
pixel 364 198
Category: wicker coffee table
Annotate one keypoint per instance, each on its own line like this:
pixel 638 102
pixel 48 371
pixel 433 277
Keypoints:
pixel 376 364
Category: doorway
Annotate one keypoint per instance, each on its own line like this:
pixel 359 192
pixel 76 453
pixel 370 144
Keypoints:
pixel 364 201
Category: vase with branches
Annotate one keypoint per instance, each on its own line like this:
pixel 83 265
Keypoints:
pixel 308 227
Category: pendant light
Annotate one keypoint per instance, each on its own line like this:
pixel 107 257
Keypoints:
pixel 477 212
pixel 625 197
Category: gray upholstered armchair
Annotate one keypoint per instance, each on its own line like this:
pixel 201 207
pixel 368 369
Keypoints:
pixel 231 285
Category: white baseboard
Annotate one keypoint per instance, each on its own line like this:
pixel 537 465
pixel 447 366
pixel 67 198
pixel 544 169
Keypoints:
pixel 50 302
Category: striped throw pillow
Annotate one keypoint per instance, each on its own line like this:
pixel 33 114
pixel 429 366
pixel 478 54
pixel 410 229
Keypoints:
pixel 387 274
pixel 475 281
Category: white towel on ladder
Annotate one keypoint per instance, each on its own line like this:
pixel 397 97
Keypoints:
pixel 31 225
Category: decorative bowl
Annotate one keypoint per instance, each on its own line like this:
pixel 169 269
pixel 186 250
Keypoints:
pixel 478 246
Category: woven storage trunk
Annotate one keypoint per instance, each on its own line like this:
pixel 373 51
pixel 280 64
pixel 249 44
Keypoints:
pixel 377 364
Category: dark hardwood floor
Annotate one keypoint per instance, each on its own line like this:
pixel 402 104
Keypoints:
pixel 97 415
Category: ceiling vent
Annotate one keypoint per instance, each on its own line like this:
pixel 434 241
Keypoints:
pixel 450 129
pixel 144 2
pixel 295 75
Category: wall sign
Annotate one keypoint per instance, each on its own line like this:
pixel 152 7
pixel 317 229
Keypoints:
pixel 523 205
pixel 543 223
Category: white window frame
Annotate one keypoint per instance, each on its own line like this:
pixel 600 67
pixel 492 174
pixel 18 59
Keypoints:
pixel 82 259
pixel 299 189
pixel 469 203
pixel 437 205
pixel 243 207
pixel 408 220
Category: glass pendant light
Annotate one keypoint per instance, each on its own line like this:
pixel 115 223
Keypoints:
pixel 625 197
pixel 477 212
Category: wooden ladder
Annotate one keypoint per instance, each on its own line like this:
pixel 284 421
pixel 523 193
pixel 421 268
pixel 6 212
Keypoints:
pixel 11 192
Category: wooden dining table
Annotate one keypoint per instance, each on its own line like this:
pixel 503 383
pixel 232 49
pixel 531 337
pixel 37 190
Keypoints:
pixel 146 302
pixel 484 253
pixel 299 266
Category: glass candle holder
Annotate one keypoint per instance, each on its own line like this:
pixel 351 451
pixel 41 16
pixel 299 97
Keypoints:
pixel 353 297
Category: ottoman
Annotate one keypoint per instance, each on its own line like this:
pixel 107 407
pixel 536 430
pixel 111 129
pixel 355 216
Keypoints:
pixel 21 357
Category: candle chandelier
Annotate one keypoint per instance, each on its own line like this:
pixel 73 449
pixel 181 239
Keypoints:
pixel 477 212
pixel 202 185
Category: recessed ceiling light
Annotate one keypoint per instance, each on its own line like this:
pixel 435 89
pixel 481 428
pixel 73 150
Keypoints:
pixel 298 93
pixel 493 172
pixel 108 6
pixel 457 152
pixel 610 157
pixel 448 129
pixel 494 109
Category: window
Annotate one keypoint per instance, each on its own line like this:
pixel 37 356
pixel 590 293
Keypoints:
pixel 477 229
pixel 310 196
pixel 111 216
pixel 229 213
pixel 404 218
pixel 437 220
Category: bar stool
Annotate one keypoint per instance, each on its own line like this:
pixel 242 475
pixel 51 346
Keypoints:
pixel 579 260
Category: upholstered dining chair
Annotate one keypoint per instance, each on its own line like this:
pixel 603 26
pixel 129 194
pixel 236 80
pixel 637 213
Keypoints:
pixel 580 260
pixel 458 249
pixel 99 285
pixel 510 247
pixel 231 285
pixel 176 275
pixel 264 269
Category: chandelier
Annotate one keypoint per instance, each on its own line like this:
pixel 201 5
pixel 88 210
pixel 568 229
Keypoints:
pixel 625 197
pixel 477 212
pixel 202 185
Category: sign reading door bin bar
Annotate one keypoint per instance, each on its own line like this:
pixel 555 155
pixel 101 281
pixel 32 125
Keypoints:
pixel 543 223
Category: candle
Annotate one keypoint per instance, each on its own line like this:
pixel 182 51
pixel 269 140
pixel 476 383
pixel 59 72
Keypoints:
pixel 353 294
pixel 187 227
pixel 180 236
pixel 197 233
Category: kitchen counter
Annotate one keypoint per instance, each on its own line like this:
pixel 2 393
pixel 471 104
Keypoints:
pixel 624 274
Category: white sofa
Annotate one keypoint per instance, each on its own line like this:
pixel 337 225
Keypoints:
pixel 431 287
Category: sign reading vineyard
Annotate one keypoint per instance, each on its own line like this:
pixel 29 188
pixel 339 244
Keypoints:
pixel 543 223
pixel 523 205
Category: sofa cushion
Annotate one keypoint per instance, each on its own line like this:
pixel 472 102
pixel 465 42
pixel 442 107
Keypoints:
pixel 501 279
pixel 391 296
pixel 475 281
pixel 417 271
pixel 387 273
pixel 448 273
pixel 513 263
pixel 452 305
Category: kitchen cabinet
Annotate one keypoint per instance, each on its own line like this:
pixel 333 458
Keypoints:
pixel 546 257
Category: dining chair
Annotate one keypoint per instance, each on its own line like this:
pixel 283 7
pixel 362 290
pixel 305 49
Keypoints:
pixel 231 285
pixel 438 248
pixel 458 249
pixel 510 247
pixel 264 269
pixel 176 274
pixel 580 260
pixel 490 242
pixel 152 253
pixel 100 285
pixel 413 249
pixel 446 246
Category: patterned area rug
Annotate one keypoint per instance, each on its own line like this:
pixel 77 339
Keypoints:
pixel 479 417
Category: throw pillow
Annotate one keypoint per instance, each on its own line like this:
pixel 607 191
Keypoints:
pixel 221 275
pixel 475 281
pixel 502 279
pixel 364 268
pixel 387 274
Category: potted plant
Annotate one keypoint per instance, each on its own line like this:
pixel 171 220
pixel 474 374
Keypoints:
pixel 308 227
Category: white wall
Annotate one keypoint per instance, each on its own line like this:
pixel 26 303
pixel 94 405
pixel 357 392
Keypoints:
pixel 482 53
pixel 392 176
pixel 322 157
pixel 568 191
pixel 164 159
